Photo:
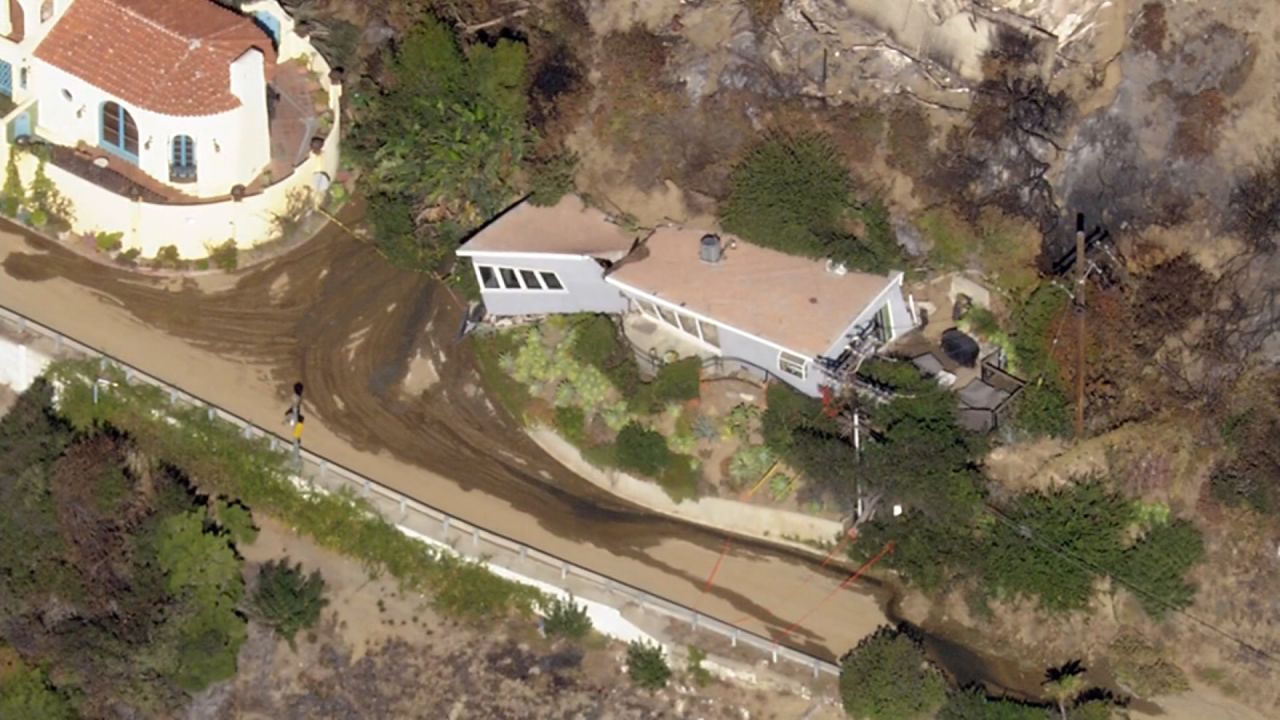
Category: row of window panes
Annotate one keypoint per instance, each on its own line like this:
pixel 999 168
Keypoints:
pixel 505 278
pixel 704 331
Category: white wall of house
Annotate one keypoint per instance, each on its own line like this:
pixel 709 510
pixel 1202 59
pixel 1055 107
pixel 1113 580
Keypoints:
pixel 231 148
pixel 584 288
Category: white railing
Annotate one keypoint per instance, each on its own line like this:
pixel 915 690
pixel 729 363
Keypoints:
pixel 467 539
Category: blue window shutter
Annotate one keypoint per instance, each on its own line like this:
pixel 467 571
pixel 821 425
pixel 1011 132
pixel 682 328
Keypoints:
pixel 270 23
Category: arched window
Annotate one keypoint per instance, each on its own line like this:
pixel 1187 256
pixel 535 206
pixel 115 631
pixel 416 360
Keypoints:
pixel 119 132
pixel 182 159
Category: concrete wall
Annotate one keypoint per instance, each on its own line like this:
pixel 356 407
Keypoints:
pixel 584 287
pixel 20 365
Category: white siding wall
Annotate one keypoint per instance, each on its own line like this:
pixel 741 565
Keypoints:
pixel 585 289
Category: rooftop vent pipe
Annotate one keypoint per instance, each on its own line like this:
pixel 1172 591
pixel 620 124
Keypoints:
pixel 710 250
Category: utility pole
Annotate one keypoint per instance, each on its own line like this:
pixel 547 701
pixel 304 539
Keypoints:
pixel 857 449
pixel 1081 275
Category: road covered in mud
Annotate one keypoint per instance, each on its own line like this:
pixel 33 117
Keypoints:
pixel 392 394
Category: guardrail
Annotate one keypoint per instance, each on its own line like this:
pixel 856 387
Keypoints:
pixel 467 539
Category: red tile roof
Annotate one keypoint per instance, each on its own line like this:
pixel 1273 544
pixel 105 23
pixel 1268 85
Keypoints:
pixel 167 56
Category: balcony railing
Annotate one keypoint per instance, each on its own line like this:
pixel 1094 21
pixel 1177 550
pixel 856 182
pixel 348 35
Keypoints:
pixel 182 173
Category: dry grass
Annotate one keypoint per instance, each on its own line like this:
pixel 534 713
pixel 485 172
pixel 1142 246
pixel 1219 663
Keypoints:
pixel 1200 119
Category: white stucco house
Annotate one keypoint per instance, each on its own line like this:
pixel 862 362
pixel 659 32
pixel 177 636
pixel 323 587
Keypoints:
pixel 174 122
pixel 684 291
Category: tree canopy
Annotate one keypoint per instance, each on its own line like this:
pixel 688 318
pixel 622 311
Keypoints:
pixel 442 143
pixel 793 193
pixel 886 677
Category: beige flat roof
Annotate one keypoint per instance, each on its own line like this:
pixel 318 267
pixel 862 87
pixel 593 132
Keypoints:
pixel 789 300
pixel 569 227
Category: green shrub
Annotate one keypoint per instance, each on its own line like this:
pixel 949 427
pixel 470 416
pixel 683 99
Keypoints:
pixel 974 704
pixel 224 256
pixel 681 477
pixel 14 195
pixel 571 424
pixel 749 463
pixel 642 450
pixel 551 178
pixel 167 257
pixel 286 599
pixel 647 665
pixel 981 321
pixel 202 264
pixel 1158 563
pixel 25 692
pixel 701 676
pixel 565 618
pixel 108 242
pixel 39 218
pixel 595 340
pixel 130 256
pixel 677 381
pixel 886 677
pixel 603 456
pixel 790 193
pixel 786 410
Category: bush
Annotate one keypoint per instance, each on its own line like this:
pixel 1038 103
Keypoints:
pixel 130 256
pixel 642 450
pixel 701 676
pixel 595 340
pixel 750 463
pixel 786 409
pixel 677 382
pixel 108 242
pixel 974 704
pixel 565 618
pixel 13 193
pixel 39 218
pixel 26 693
pixel 681 477
pixel 167 257
pixel 647 665
pixel 287 600
pixel 886 677
pixel 790 194
pixel 224 256
pixel 981 321
pixel 571 424
pixel 1158 563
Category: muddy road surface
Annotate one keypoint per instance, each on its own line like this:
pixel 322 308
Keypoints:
pixel 393 395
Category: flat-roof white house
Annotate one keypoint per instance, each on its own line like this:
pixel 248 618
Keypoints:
pixel 173 122
pixel 688 291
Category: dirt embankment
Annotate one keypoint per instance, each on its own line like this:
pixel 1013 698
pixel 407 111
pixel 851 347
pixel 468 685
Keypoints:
pixel 379 653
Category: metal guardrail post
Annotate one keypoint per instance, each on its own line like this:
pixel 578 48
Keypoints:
pixel 57 343
pixel 475 537
pixel 324 468
pixel 774 655
pixel 404 510
pixel 364 490
pixel 212 413
pixel 524 552
pixel 696 617
pixel 444 524
pixel 22 326
pixel 564 571
pixel 733 638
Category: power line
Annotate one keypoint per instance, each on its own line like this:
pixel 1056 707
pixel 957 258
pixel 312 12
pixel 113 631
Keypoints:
pixel 1025 532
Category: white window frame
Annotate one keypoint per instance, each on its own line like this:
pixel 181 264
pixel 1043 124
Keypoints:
pixel 540 276
pixel 793 365
pixel 654 311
